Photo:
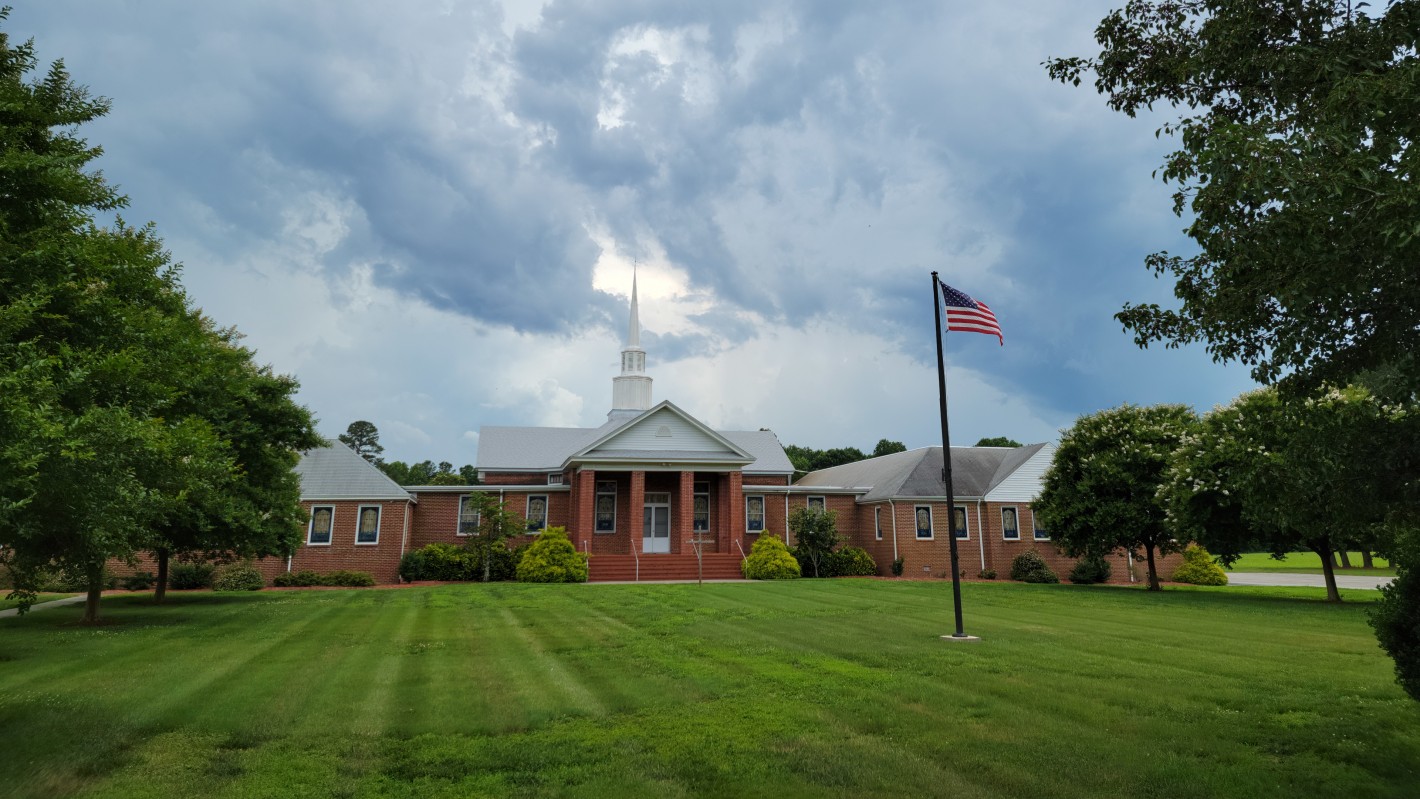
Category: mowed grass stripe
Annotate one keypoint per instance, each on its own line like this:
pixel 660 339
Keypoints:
pixel 814 688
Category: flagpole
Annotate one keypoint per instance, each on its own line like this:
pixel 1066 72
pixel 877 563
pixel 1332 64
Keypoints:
pixel 960 634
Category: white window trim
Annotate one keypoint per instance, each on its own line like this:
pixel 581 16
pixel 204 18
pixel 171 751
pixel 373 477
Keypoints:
pixel 597 494
pixel 1017 513
pixel 931 524
pixel 311 527
pixel 1034 533
pixel 458 518
pixel 966 522
pixel 809 501
pixel 379 514
pixel 877 522
pixel 709 508
pixel 763 510
pixel 527 515
pixel 554 478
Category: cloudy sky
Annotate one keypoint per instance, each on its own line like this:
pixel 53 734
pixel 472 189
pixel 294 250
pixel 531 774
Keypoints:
pixel 429 212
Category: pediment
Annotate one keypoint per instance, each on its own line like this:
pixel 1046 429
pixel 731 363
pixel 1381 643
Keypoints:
pixel 664 428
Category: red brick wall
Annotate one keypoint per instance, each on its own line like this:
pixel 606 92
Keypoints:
pixel 765 480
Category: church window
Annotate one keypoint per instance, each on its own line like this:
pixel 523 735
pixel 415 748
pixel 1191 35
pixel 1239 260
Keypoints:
pixel 959 522
pixel 367 528
pixel 468 516
pixel 878 523
pixel 606 506
pixel 700 521
pixel 1010 527
pixel 537 512
pixel 754 513
pixel 816 503
pixel 924 521
pixel 322 519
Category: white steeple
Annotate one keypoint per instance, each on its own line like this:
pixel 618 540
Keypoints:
pixel 631 390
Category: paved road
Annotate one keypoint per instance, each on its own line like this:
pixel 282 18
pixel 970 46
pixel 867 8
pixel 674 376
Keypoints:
pixel 54 603
pixel 1313 580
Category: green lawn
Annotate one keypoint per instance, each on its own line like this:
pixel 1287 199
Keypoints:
pixel 809 688
pixel 1304 563
pixel 6 604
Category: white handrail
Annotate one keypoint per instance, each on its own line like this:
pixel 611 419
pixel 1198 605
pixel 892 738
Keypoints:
pixel 638 559
pixel 743 556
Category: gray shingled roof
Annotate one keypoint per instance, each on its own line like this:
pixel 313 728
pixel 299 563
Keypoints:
pixel 547 448
pixel 336 472
pixel 918 472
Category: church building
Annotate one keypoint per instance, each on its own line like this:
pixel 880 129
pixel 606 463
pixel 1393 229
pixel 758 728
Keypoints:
pixel 646 489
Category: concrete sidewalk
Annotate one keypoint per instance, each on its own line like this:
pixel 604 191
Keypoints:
pixel 1371 582
pixel 53 603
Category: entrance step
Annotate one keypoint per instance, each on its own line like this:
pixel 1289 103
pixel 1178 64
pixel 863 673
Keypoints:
pixel 653 568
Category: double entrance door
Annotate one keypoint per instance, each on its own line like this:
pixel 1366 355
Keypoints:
pixel 656 523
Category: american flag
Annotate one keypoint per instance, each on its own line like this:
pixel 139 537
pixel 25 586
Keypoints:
pixel 965 315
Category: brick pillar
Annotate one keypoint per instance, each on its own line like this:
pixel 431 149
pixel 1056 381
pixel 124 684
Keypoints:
pixel 637 511
pixel 583 512
pixel 684 515
pixel 720 519
pixel 736 501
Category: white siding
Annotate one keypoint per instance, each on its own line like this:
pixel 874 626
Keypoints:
pixel 644 436
pixel 1023 485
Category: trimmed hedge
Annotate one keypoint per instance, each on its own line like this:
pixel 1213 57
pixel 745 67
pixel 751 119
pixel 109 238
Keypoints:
pixel 1030 567
pixel 238 577
pixel 458 564
pixel 852 562
pixel 343 578
pixel 769 559
pixel 1089 570
pixel 1199 568
pixel 138 581
pixel 190 576
pixel 552 559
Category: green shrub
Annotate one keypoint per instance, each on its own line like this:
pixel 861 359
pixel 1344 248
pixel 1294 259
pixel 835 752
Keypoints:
pixel 439 562
pixel 1394 618
pixel 769 559
pixel 1030 567
pixel 348 579
pixel 897 567
pixel 852 562
pixel 189 576
pixel 552 559
pixel 62 582
pixel 238 577
pixel 1090 569
pixel 301 578
pixel 138 581
pixel 987 574
pixel 1199 568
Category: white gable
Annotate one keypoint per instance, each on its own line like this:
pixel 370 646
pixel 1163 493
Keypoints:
pixel 663 430
pixel 1024 484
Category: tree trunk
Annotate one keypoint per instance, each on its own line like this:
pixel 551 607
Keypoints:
pixel 95 573
pixel 1330 557
pixel 1329 571
pixel 1153 570
pixel 161 591
pixel 1367 562
pixel 1345 559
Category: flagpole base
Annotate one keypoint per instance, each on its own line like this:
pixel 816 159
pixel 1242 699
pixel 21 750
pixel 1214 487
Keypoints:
pixel 962 639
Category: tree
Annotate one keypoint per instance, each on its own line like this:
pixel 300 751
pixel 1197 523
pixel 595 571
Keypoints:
pixel 113 428
pixel 364 438
pixel 255 511
pixel 1295 164
pixel 1101 491
pixel 815 534
pixel 807 459
pixel 1396 618
pixel 1281 472
pixel 886 447
pixel 494 526
pixel 998 441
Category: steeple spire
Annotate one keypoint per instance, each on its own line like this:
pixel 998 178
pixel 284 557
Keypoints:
pixel 633 335
pixel 631 390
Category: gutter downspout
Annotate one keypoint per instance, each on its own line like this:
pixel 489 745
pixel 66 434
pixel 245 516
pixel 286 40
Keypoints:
pixel 980 535
pixel 892 509
pixel 786 518
pixel 404 541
